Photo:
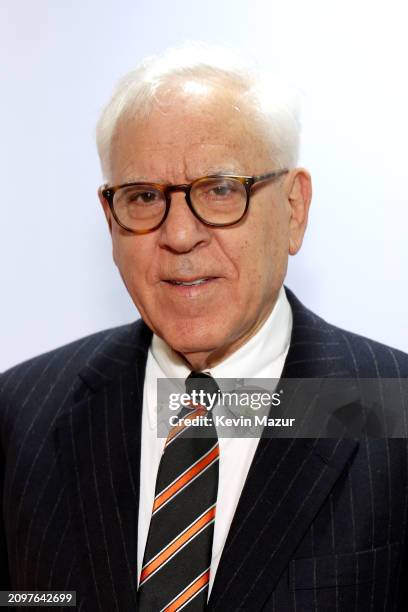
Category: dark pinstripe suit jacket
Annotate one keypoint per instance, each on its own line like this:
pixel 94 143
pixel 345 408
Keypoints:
pixel 321 524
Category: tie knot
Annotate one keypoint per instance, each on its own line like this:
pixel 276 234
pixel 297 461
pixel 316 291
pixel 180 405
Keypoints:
pixel 203 384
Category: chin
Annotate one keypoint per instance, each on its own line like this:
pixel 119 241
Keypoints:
pixel 194 337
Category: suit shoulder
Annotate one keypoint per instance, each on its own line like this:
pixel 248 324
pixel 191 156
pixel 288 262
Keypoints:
pixel 58 369
pixel 360 356
pixel 81 348
pixel 371 358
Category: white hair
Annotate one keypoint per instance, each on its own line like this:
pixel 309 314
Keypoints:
pixel 272 104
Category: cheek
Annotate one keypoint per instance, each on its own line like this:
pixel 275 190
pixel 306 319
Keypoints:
pixel 133 257
pixel 264 256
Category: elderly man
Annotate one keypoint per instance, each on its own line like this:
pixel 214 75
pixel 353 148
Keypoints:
pixel 204 203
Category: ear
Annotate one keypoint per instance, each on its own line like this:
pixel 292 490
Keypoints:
pixel 299 194
pixel 105 207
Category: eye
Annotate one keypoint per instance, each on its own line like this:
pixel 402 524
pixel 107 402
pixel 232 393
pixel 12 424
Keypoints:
pixel 221 190
pixel 143 197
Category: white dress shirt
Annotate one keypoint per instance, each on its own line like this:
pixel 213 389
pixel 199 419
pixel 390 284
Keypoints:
pixel 263 356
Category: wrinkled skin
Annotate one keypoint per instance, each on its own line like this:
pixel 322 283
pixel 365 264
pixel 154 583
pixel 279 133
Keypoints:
pixel 197 136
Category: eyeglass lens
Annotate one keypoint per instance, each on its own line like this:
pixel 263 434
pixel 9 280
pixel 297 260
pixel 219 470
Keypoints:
pixel 216 200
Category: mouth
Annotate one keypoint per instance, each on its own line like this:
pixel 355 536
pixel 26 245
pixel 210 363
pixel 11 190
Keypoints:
pixel 191 282
pixel 190 286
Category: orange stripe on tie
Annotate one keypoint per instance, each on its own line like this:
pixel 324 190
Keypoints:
pixel 189 593
pixel 185 478
pixel 176 544
pixel 179 428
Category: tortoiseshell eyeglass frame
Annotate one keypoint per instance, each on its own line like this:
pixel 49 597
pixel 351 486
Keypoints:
pixel 248 182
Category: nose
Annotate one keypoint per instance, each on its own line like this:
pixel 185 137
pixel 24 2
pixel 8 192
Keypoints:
pixel 182 231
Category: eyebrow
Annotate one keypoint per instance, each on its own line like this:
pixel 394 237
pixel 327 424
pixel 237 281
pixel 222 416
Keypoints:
pixel 224 170
pixel 209 172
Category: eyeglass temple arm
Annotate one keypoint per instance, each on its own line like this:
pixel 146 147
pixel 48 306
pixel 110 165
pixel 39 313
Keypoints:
pixel 270 175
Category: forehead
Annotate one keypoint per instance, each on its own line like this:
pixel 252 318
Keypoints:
pixel 187 136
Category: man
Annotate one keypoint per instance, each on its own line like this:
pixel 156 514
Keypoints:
pixel 204 203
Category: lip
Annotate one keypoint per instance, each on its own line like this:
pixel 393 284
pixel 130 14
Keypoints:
pixel 190 290
pixel 189 279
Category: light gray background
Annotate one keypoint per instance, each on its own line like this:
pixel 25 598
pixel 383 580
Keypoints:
pixel 60 61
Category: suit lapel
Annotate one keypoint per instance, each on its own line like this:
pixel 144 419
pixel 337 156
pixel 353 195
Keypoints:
pixel 287 484
pixel 99 443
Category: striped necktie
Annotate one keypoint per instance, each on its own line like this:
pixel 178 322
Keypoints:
pixel 177 558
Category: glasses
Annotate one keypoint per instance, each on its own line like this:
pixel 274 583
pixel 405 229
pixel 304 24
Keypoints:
pixel 218 201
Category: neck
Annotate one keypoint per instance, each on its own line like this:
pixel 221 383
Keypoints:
pixel 205 360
